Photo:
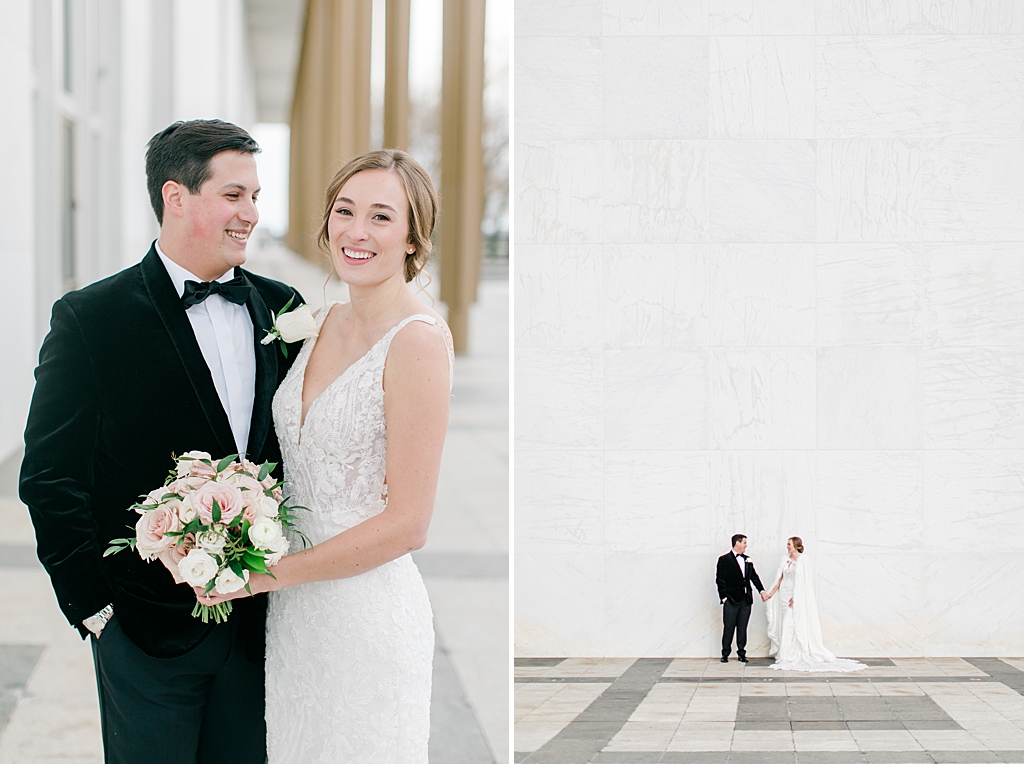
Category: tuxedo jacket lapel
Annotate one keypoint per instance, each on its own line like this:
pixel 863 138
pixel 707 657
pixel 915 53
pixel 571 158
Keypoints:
pixel 172 314
pixel 266 371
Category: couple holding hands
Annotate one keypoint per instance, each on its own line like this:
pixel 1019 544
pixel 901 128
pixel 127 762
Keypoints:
pixel 793 625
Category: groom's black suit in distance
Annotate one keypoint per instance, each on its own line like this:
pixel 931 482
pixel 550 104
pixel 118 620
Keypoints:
pixel 735 588
pixel 121 385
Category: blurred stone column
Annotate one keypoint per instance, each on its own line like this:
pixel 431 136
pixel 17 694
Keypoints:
pixel 330 120
pixel 396 75
pixel 462 165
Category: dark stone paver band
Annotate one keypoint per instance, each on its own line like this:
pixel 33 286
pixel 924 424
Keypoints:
pixel 1000 671
pixel 584 737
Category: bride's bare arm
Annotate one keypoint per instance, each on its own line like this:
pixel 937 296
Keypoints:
pixel 776 587
pixel 416 400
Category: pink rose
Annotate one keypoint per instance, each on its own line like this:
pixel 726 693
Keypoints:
pixel 151 528
pixel 228 498
pixel 247 484
pixel 201 469
pixel 171 557
pixel 184 485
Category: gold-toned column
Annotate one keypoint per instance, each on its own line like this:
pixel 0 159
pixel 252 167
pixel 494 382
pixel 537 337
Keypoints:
pixel 396 75
pixel 330 120
pixel 462 165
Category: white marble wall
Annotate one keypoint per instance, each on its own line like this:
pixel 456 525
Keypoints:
pixel 769 278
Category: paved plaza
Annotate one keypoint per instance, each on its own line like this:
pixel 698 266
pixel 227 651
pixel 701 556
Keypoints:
pixel 48 706
pixel 701 711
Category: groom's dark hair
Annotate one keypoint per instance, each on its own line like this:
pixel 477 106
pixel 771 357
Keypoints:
pixel 182 153
pixel 737 538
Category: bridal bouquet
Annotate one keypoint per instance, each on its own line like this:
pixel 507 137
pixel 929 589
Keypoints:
pixel 212 524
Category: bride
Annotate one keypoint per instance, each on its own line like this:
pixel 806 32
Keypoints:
pixel 361 418
pixel 793 626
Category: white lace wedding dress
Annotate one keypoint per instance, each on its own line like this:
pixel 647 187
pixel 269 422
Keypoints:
pixel 348 661
pixel 795 632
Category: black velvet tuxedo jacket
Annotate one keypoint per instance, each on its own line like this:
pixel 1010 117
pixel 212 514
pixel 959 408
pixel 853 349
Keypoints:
pixel 121 386
pixel 732 583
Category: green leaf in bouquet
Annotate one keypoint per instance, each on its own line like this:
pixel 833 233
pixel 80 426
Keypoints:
pixel 119 545
pixel 223 463
pixel 168 496
pixel 193 525
pixel 236 568
pixel 284 349
pixel 216 511
pixel 236 522
pixel 210 584
pixel 255 561
pixel 246 525
pixel 265 469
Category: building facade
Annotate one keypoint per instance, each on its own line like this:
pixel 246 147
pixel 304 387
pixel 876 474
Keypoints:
pixel 86 84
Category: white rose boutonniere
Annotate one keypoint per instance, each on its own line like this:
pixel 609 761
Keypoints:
pixel 291 326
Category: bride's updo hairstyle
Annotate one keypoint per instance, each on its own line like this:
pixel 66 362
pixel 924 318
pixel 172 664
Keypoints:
pixel 419 190
pixel 798 544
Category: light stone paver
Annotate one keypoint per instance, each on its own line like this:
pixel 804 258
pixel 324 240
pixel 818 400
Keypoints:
pixel 885 740
pixel 643 736
pixel 824 740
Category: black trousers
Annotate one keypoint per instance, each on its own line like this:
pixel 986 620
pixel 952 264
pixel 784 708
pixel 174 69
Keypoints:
pixel 735 615
pixel 203 707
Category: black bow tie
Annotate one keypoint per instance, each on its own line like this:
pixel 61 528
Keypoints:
pixel 235 290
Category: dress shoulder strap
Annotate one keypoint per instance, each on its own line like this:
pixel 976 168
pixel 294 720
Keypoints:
pixel 444 333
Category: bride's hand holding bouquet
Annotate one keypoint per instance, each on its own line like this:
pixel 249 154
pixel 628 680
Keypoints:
pixel 214 526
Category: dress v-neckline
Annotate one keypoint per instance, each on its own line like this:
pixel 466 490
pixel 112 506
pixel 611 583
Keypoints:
pixel 302 382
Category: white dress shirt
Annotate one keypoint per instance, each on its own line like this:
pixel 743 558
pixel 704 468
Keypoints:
pixel 225 335
pixel 742 563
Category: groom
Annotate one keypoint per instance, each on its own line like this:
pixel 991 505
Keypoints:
pixel 734 576
pixel 159 359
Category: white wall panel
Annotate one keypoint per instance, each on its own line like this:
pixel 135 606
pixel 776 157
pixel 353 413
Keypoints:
pixel 769 279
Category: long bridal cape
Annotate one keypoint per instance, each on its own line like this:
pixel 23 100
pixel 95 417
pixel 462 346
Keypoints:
pixel 805 650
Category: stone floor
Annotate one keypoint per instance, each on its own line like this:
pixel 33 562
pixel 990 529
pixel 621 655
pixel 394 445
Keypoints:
pixel 698 711
pixel 48 708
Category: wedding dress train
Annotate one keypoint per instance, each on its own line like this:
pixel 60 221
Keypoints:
pixel 349 660
pixel 795 632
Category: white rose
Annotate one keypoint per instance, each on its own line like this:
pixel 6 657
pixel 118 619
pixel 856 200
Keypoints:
pixel 197 567
pixel 228 581
pixel 186 511
pixel 278 549
pixel 185 464
pixel 268 506
pixel 211 541
pixel 296 325
pixel 264 532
